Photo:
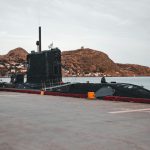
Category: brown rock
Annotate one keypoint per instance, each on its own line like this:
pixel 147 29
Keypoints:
pixel 89 61
pixel 134 70
pixel 16 55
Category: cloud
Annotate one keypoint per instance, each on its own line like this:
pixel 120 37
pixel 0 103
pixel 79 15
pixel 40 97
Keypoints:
pixel 119 28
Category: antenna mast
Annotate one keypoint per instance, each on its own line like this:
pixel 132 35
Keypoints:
pixel 40 39
pixel 38 43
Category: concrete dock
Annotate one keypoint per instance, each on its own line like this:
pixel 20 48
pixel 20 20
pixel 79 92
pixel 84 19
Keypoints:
pixel 36 122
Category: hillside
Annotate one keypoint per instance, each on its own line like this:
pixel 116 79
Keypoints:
pixel 86 61
pixel 13 61
pixel 133 69
pixel 80 62
pixel 16 55
pixel 89 62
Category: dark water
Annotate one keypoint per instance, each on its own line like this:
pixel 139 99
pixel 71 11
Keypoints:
pixel 142 81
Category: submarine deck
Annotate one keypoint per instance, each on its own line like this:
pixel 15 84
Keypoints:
pixel 36 122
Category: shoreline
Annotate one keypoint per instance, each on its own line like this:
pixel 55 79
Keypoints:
pixel 89 76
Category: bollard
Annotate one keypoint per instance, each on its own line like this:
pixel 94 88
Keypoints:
pixel 42 92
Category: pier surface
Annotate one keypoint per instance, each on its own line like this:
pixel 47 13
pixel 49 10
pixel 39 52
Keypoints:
pixel 36 122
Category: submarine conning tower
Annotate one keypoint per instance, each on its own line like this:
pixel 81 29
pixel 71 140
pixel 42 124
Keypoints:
pixel 44 66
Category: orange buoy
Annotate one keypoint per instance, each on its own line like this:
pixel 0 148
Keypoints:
pixel 91 95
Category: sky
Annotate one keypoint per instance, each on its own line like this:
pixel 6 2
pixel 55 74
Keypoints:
pixel 119 28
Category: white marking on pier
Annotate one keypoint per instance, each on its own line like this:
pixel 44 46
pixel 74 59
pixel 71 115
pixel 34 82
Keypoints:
pixel 129 111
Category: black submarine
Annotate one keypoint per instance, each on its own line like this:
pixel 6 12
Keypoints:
pixel 44 74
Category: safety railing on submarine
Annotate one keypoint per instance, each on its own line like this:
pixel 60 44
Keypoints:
pixel 59 86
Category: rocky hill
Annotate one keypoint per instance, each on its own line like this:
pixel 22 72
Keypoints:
pixel 133 69
pixel 83 62
pixel 16 55
pixel 89 62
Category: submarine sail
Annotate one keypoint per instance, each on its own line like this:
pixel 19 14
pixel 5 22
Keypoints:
pixel 44 66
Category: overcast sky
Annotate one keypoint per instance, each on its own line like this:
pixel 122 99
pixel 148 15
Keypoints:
pixel 120 28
